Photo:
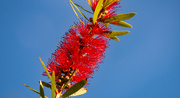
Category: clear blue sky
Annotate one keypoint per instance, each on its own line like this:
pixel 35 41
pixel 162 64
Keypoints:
pixel 144 64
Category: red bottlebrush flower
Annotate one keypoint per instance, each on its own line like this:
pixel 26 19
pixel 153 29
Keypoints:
pixel 110 7
pixel 82 49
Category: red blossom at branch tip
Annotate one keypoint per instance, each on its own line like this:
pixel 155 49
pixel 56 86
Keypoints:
pixel 81 50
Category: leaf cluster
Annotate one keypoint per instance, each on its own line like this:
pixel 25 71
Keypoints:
pixel 76 90
pixel 117 20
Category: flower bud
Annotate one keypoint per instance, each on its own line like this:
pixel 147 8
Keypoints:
pixel 66 78
pixel 59 80
pixel 69 85
pixel 61 77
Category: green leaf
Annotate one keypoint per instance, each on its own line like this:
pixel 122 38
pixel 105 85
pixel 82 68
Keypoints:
pixel 114 38
pixel 108 2
pixel 45 68
pixel 90 3
pixel 41 90
pixel 74 88
pixel 75 11
pixel 118 17
pixel 78 9
pixel 113 34
pixel 122 23
pixel 116 33
pixel 83 8
pixel 46 84
pixel 79 92
pixel 53 86
pixel 33 90
pixel 97 10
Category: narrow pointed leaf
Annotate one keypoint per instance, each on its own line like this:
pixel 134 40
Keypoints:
pixel 75 12
pixel 45 68
pixel 90 3
pixel 116 33
pixel 83 8
pixel 114 38
pixel 53 86
pixel 118 17
pixel 80 92
pixel 46 84
pixel 78 10
pixel 74 88
pixel 97 10
pixel 41 90
pixel 122 23
pixel 108 2
pixel 33 90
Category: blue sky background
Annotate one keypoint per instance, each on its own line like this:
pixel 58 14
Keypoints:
pixel 144 64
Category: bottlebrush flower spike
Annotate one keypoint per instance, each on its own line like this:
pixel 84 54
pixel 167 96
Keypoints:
pixel 109 7
pixel 82 49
